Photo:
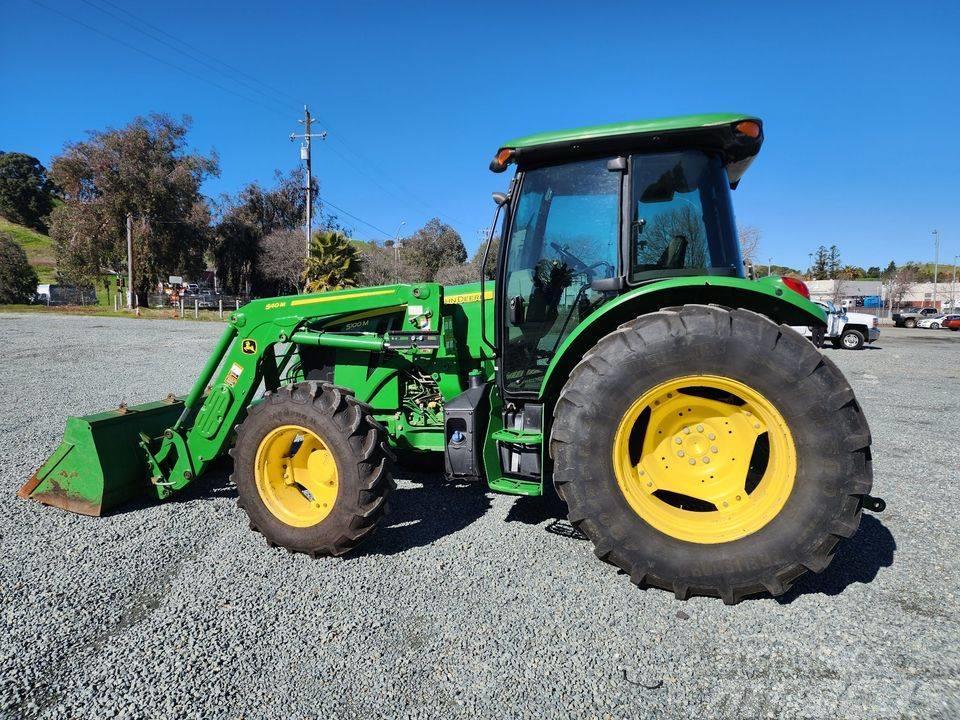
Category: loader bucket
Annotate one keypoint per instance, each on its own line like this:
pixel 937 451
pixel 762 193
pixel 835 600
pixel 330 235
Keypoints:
pixel 100 465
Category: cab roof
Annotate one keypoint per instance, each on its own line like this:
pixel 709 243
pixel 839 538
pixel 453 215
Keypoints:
pixel 736 137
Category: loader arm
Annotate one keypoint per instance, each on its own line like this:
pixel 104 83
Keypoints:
pixel 111 457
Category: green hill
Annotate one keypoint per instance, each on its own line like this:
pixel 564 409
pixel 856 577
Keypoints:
pixel 39 248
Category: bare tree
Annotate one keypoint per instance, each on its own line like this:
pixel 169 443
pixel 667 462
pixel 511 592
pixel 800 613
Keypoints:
pixel 839 289
pixel 458 274
pixel 901 283
pixel 749 244
pixel 282 259
pixel 379 265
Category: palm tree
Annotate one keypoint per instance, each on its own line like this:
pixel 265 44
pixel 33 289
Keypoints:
pixel 334 262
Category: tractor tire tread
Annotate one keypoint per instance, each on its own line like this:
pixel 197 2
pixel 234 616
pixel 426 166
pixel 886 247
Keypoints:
pixel 844 476
pixel 365 463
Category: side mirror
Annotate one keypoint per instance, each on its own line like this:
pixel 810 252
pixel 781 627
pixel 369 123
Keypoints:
pixel 500 198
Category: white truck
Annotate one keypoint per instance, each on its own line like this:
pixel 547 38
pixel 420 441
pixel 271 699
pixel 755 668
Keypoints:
pixel 848 330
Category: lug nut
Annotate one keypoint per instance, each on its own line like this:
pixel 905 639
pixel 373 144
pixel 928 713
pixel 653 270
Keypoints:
pixel 711 436
pixel 699 428
pixel 692 461
pixel 713 448
pixel 706 460
pixel 679 453
pixel 686 431
pixel 756 426
pixel 678 441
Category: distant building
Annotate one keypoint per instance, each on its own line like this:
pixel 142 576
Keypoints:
pixel 869 294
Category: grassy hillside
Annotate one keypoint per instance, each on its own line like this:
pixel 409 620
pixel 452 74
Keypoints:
pixel 39 248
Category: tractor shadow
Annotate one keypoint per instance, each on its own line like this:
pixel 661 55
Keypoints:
pixel 423 510
pixel 548 509
pixel 858 560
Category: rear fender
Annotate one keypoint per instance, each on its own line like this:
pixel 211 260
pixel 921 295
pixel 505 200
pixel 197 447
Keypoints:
pixel 768 296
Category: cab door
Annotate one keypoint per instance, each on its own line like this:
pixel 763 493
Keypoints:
pixel 564 236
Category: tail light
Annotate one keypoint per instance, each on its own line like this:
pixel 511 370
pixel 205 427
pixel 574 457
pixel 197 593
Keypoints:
pixel 798 286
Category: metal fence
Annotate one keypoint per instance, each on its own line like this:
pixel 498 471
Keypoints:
pixel 193 304
pixel 64 295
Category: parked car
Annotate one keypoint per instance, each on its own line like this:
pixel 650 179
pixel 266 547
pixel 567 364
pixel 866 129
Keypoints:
pixel 952 322
pixel 848 330
pixel 934 322
pixel 909 317
pixel 942 322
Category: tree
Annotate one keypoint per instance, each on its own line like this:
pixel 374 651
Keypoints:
pixel 820 269
pixel 492 260
pixel 250 216
pixel 379 263
pixel 26 194
pixel 457 274
pixel 334 262
pixel 749 244
pixel 18 281
pixel 430 248
pixel 902 283
pixel 282 260
pixel 144 169
pixel 833 261
pixel 873 271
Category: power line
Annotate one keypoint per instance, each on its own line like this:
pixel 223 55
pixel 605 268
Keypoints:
pixel 324 201
pixel 154 57
pixel 201 51
pixel 333 134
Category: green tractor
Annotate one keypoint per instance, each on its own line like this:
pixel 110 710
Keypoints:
pixel 621 355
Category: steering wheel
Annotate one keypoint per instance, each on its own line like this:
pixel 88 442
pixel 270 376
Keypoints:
pixel 570 258
pixel 578 264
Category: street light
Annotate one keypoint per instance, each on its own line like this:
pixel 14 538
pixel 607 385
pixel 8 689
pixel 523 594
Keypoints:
pixel 396 248
pixel 936 263
pixel 953 285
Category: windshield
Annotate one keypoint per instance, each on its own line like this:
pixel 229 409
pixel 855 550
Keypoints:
pixel 682 220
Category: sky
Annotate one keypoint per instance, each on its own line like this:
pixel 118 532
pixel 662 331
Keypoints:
pixel 860 100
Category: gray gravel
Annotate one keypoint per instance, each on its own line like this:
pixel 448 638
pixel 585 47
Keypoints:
pixel 465 604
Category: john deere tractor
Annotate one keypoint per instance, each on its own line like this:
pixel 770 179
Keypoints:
pixel 620 355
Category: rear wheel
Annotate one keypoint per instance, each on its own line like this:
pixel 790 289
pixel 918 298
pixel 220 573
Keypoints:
pixel 934 326
pixel 910 323
pixel 312 469
pixel 711 452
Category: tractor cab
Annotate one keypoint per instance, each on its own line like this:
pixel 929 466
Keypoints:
pixel 594 212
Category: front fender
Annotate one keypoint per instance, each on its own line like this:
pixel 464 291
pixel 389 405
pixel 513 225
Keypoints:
pixel 768 296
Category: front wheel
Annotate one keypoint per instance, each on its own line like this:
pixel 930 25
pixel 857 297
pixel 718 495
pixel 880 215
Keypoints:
pixel 935 326
pixel 911 323
pixel 312 469
pixel 711 452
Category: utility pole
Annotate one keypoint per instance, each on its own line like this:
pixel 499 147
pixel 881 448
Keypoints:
pixel 769 267
pixel 396 249
pixel 305 156
pixel 129 261
pixel 936 263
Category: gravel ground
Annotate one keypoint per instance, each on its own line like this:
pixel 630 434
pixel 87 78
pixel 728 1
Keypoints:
pixel 465 604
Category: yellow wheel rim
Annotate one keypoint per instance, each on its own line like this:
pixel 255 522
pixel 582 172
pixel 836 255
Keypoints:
pixel 704 458
pixel 296 476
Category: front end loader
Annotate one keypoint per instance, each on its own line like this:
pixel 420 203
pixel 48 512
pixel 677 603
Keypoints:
pixel 613 350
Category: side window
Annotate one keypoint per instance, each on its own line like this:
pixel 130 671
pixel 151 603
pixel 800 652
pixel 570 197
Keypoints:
pixel 682 222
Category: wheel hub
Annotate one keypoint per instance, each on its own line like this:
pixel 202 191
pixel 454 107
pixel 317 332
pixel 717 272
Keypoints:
pixel 704 459
pixel 296 475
